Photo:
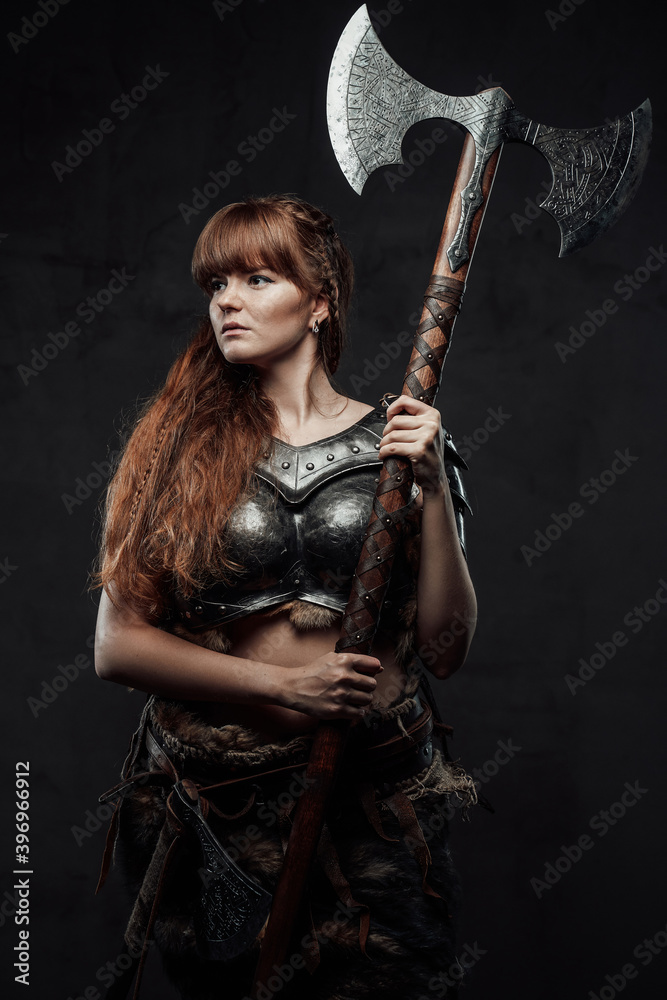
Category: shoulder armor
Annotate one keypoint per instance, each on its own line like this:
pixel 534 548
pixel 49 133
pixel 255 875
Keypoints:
pixel 295 471
pixel 300 535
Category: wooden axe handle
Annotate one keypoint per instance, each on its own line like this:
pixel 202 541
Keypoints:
pixel 422 380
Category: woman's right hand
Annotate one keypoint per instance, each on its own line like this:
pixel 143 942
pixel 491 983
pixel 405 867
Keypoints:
pixel 334 686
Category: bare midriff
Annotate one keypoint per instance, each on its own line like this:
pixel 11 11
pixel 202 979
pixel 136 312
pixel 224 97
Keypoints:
pixel 274 639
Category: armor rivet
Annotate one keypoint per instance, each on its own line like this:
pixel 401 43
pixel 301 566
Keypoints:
pixel 377 480
pixel 387 604
pixel 377 447
pixel 358 638
pixel 387 520
pixel 309 465
pixel 379 558
pixel 398 479
pixel 266 454
pixel 448 436
pixel 285 465
pixel 422 398
pixel 297 582
pixel 440 317
pixel 355 449
pixel 429 355
pixel 457 253
pixel 222 608
pixel 367 597
pixel 330 458
pixel 471 195
pixel 199 609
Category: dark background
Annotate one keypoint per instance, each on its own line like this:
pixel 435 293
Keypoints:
pixel 119 209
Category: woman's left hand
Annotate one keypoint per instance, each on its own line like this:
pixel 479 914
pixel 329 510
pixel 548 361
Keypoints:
pixel 413 432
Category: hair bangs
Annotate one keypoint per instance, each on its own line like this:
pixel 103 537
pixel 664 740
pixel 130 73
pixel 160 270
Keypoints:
pixel 247 236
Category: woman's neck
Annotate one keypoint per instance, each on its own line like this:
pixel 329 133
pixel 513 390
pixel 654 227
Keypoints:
pixel 298 409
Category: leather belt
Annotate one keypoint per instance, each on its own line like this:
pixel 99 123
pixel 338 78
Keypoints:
pixel 403 754
pixel 382 753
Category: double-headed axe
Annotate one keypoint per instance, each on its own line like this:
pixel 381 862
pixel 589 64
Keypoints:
pixel 371 104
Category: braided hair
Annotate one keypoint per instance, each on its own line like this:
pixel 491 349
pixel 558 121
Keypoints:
pixel 292 237
pixel 189 456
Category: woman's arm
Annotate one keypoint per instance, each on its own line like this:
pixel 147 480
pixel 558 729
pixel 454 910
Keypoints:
pixel 128 650
pixel 446 604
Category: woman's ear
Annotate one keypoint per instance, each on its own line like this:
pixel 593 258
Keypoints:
pixel 320 308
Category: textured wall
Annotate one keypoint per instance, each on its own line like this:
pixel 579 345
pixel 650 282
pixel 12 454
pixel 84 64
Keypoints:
pixel 97 300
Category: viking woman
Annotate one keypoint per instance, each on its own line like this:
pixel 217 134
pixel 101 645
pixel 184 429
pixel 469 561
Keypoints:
pixel 232 529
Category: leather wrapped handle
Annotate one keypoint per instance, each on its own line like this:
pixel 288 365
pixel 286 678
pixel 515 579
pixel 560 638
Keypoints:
pixel 442 302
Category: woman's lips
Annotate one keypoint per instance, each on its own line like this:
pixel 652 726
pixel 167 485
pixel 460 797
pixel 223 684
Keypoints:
pixel 233 329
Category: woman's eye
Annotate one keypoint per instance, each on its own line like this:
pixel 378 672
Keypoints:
pixel 258 279
pixel 217 284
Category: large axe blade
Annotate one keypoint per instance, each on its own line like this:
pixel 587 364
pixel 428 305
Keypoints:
pixel 372 102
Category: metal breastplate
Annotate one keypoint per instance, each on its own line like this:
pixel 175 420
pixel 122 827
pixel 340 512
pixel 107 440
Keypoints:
pixel 300 535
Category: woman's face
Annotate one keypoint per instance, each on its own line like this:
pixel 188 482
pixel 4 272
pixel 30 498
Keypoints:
pixel 260 317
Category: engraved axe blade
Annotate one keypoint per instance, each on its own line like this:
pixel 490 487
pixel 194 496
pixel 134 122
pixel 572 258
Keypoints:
pixel 234 908
pixel 372 102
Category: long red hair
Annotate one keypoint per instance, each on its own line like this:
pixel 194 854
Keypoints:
pixel 191 451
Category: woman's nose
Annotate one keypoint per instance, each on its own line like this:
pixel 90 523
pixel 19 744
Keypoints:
pixel 229 297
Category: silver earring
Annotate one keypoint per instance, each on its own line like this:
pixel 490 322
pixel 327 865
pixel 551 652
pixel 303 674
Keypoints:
pixel 316 327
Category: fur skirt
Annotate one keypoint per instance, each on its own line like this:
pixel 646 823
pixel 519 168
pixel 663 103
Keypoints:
pixel 379 913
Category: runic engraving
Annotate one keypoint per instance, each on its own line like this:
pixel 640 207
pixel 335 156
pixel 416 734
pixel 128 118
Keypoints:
pixel 372 103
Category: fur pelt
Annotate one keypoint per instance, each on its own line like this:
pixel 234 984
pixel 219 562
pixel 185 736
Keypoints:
pixel 305 616
pixel 411 932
